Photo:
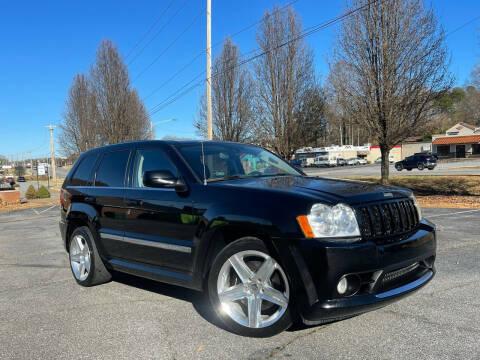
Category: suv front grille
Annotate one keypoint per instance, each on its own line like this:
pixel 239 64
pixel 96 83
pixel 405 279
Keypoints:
pixel 384 222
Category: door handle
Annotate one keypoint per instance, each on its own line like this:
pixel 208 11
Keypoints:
pixel 134 202
pixel 90 199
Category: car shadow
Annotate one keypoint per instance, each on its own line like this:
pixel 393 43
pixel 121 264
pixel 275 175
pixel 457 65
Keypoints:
pixel 198 299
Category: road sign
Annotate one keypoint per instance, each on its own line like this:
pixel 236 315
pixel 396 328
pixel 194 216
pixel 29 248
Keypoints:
pixel 41 169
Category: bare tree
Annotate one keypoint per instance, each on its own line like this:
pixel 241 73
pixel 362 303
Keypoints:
pixel 102 108
pixel 341 110
pixel 396 63
pixel 283 75
pixel 121 113
pixel 78 130
pixel 468 108
pixel 312 118
pixel 232 101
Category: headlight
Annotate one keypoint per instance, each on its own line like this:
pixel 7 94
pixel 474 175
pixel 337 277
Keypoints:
pixel 417 206
pixel 329 221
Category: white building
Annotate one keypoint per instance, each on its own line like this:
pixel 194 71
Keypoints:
pixel 332 152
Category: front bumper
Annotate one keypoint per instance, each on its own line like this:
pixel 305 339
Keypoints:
pixel 386 272
pixel 337 309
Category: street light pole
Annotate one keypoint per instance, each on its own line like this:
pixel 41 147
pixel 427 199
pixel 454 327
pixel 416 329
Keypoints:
pixel 52 154
pixel 209 69
pixel 152 125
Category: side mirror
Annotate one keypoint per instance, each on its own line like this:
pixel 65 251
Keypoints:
pixel 163 179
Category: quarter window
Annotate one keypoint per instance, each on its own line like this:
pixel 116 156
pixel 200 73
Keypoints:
pixel 82 175
pixel 150 160
pixel 111 171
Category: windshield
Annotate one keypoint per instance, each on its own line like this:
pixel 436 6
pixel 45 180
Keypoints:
pixel 225 161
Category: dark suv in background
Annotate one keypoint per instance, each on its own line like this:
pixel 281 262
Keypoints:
pixel 418 161
pixel 268 244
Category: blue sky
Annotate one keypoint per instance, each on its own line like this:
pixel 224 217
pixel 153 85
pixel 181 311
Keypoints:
pixel 44 44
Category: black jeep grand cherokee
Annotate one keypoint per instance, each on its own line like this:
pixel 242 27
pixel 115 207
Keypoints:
pixel 266 242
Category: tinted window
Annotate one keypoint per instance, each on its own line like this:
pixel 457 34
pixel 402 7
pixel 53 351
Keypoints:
pixel 82 176
pixel 150 160
pixel 111 171
pixel 227 160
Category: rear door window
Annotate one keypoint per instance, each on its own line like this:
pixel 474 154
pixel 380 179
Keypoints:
pixel 83 173
pixel 111 172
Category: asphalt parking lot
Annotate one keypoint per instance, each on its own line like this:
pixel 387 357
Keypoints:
pixel 45 314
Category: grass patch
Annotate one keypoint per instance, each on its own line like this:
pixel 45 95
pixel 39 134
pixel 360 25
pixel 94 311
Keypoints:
pixel 433 184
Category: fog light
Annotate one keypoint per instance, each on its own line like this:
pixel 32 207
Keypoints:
pixel 342 286
pixel 349 285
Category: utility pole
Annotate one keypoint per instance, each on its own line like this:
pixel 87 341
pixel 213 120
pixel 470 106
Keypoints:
pixel 209 69
pixel 31 161
pixel 52 154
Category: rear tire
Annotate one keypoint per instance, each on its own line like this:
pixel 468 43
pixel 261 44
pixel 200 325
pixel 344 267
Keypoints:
pixel 85 262
pixel 249 290
pixel 420 166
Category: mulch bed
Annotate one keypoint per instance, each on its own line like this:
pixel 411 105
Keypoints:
pixel 442 201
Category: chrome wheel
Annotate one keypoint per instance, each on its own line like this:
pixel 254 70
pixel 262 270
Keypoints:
pixel 253 289
pixel 80 257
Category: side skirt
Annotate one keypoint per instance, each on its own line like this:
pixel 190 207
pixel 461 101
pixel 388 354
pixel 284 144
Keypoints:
pixel 153 273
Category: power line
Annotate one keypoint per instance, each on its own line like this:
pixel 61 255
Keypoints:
pixel 309 31
pixel 257 22
pixel 174 75
pixel 169 46
pixel 174 96
pixel 463 25
pixel 158 32
pixel 191 61
pixel 150 29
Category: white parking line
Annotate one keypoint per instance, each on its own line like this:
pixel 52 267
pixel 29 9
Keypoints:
pixel 454 213
pixel 40 212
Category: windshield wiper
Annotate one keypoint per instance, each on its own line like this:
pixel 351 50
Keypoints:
pixel 231 177
pixel 271 175
pixel 234 177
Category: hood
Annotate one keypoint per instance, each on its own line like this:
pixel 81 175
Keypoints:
pixel 331 190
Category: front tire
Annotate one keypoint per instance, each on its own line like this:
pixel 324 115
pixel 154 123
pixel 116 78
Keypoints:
pixel 420 166
pixel 249 290
pixel 85 262
pixel 399 167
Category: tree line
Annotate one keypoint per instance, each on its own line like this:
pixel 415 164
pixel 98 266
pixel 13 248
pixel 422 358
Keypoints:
pixel 388 80
pixel 387 74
